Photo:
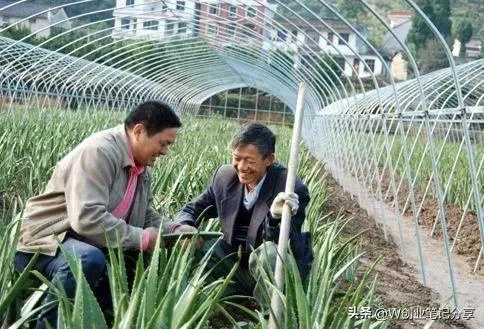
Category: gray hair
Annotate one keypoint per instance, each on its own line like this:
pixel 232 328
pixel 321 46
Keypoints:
pixel 258 135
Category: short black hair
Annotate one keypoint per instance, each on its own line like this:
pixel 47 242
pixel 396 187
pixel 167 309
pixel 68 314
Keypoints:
pixel 155 116
pixel 258 135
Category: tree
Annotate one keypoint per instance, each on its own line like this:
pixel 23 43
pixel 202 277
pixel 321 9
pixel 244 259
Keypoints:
pixel 19 32
pixel 463 32
pixel 482 43
pixel 419 32
pixel 294 7
pixel 350 9
pixel 422 40
pixel 326 73
pixel 281 61
pixel 432 57
pixel 441 17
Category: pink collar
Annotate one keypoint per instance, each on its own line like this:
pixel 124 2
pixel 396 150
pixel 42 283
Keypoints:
pixel 138 170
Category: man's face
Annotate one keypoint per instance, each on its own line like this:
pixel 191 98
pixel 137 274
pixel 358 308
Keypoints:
pixel 146 149
pixel 249 164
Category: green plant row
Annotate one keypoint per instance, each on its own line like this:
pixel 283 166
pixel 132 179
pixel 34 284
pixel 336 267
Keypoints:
pixel 452 163
pixel 169 290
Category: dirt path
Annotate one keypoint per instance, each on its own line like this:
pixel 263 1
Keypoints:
pixel 399 282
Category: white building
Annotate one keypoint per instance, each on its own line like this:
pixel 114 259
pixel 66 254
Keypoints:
pixel 225 22
pixel 397 17
pixel 39 19
pixel 472 49
pixel 393 50
pixel 153 19
pixel 347 50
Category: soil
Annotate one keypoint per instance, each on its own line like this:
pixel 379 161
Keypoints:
pixel 397 285
pixel 399 282
pixel 468 242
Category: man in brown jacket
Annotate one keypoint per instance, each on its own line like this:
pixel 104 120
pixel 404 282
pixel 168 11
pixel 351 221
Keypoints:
pixel 101 189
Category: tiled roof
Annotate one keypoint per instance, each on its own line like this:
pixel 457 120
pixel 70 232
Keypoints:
pixel 23 9
pixel 389 44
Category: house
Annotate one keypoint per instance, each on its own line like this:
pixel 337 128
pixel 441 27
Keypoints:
pixel 142 19
pixel 337 40
pixel 400 22
pixel 39 19
pixel 472 48
pixel 225 22
pixel 397 17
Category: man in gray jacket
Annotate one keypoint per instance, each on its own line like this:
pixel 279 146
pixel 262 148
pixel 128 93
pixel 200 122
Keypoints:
pixel 100 190
pixel 247 197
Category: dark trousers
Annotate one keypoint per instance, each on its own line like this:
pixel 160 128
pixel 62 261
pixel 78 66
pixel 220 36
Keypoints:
pixel 248 279
pixel 56 269
pixel 221 263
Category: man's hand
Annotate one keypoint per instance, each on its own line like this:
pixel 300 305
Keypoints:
pixel 153 235
pixel 190 229
pixel 185 229
pixel 291 199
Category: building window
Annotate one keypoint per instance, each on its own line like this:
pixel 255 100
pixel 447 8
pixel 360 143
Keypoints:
pixel 164 7
pixel 356 66
pixel 214 9
pixel 343 36
pixel 125 23
pixel 135 23
pixel 281 35
pixel 330 37
pixel 182 27
pixel 232 11
pixel 313 36
pixel 371 65
pixel 129 2
pixel 212 30
pixel 32 20
pixel 249 30
pixel 251 12
pixel 231 30
pixel 180 5
pixel 170 27
pixel 150 25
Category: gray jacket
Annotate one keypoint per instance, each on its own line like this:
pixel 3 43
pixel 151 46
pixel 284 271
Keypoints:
pixel 222 199
pixel 85 187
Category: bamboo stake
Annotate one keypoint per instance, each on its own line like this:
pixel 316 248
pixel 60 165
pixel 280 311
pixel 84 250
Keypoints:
pixel 276 302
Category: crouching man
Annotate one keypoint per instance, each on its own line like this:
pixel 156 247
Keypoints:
pixel 248 197
pixel 100 188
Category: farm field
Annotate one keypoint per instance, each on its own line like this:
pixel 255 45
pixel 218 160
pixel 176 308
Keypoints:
pixel 392 99
pixel 454 175
pixel 453 166
pixel 169 290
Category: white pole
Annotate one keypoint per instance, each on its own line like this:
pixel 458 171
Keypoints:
pixel 276 302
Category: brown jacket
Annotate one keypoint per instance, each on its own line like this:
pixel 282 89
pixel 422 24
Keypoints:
pixel 86 185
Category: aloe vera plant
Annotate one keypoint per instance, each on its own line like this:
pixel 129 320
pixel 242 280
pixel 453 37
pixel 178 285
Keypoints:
pixel 170 290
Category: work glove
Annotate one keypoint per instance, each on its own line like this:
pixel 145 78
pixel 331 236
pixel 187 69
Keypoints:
pixel 291 199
